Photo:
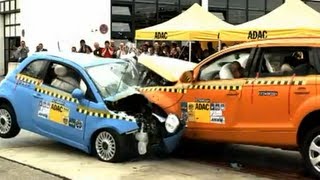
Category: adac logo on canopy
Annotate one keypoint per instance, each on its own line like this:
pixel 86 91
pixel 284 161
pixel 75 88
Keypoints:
pixel 160 35
pixel 258 34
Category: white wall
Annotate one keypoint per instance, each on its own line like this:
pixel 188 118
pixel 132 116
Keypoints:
pixel 2 60
pixel 205 4
pixel 64 21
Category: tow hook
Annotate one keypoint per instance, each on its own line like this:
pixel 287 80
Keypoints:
pixel 143 139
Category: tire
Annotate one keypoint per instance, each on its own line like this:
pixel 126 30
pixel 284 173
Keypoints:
pixel 310 149
pixel 109 146
pixel 9 127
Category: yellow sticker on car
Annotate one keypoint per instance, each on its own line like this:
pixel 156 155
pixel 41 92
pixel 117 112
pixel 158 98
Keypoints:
pixel 203 111
pixel 199 111
pixel 59 113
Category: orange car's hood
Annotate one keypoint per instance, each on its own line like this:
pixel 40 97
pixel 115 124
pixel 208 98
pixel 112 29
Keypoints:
pixel 169 68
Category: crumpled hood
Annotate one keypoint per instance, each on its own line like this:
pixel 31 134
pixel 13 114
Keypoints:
pixel 169 68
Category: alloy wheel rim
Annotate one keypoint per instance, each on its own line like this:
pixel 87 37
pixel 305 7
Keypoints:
pixel 5 121
pixel 314 153
pixel 105 146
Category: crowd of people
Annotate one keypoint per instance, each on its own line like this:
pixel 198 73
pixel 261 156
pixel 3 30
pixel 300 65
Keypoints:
pixel 110 50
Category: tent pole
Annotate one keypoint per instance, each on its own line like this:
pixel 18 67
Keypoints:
pixel 190 51
pixel 219 42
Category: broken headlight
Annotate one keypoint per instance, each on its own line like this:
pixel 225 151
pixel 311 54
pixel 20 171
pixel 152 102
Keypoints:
pixel 172 123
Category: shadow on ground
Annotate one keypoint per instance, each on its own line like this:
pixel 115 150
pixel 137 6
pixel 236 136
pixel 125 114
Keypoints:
pixel 261 161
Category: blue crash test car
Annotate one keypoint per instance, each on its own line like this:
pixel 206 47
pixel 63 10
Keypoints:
pixel 86 102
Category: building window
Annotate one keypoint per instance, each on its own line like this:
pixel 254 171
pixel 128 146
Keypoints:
pixel 239 4
pixel 188 3
pixel 273 4
pixel 146 1
pixel 121 27
pixel 218 3
pixel 169 2
pixel 255 14
pixel 1 7
pixel 315 5
pixel 145 15
pixel 220 15
pixel 121 10
pixel 237 16
pixel 256 5
pixel 11 13
pixel 167 12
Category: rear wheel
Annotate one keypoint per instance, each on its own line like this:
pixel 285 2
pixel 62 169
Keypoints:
pixel 310 151
pixel 8 122
pixel 109 146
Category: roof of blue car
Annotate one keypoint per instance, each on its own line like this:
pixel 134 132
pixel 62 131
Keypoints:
pixel 84 60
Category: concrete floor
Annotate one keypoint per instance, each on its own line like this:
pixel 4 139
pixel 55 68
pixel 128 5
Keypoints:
pixel 10 171
pixel 47 155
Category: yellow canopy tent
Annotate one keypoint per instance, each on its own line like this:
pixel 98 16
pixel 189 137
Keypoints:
pixel 292 19
pixel 195 24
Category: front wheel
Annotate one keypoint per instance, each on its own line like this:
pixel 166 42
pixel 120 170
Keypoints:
pixel 310 151
pixel 8 122
pixel 109 146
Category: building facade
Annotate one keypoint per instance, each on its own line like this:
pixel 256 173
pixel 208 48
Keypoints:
pixel 10 31
pixel 129 15
pixel 122 17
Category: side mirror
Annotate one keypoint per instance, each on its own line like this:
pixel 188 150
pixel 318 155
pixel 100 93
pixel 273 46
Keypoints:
pixel 78 94
pixel 187 77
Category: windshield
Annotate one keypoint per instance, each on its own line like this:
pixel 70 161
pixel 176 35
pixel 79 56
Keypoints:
pixel 114 79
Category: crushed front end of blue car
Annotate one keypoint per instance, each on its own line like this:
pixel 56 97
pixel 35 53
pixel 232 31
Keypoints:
pixel 156 128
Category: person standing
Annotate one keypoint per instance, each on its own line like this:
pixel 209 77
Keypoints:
pixel 107 52
pixel 84 48
pixel 98 50
pixel 22 52
pixel 74 49
pixel 41 47
pixel 122 50
pixel 114 48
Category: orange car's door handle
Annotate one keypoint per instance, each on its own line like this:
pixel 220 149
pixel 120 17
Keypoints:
pixel 302 90
pixel 233 93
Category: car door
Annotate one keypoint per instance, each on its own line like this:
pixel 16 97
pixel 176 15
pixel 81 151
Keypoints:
pixel 304 90
pixel 55 110
pixel 212 102
pixel 269 95
pixel 24 90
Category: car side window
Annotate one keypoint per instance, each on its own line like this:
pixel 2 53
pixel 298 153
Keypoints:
pixel 35 69
pixel 229 66
pixel 284 61
pixel 63 78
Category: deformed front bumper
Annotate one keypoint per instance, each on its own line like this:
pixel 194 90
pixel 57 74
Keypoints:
pixel 171 130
